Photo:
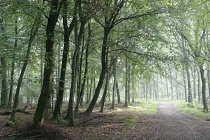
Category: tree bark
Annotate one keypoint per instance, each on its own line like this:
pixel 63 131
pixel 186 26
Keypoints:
pixel 75 61
pixel 81 92
pixel 203 81
pixel 3 70
pixel 189 98
pixel 33 33
pixel 114 84
pixel 74 68
pixel 103 70
pixel 4 90
pixel 67 32
pixel 199 85
pixel 118 93
pixel 105 92
pixel 48 68
pixel 129 83
pixel 13 68
pixel 185 85
pixel 126 83
pixel 194 83
pixel 208 75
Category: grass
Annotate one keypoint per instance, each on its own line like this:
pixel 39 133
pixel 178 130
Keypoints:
pixel 149 107
pixel 131 119
pixel 194 109
pixel 137 108
pixel 129 126
pixel 145 107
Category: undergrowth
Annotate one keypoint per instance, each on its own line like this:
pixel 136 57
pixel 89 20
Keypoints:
pixel 195 109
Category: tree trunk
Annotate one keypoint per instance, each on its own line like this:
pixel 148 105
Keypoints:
pixel 13 68
pixel 103 70
pixel 49 62
pixel 155 89
pixel 208 75
pixel 118 93
pixel 105 92
pixel 167 94
pixel 203 81
pixel 129 84
pixel 126 83
pixel 67 32
pixel 33 33
pixel 114 84
pixel 3 70
pixel 4 90
pixel 199 85
pixel 177 90
pixel 185 85
pixel 74 68
pixel 189 99
pixel 81 92
pixel 171 83
pixel 194 83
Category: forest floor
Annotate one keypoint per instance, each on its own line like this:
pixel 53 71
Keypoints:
pixel 114 124
pixel 166 124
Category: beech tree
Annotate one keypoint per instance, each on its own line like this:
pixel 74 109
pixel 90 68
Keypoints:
pixel 49 58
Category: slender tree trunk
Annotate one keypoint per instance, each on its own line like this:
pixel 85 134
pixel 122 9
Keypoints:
pixel 67 32
pixel 49 63
pixel 4 90
pixel 89 89
pixel 167 93
pixel 3 70
pixel 167 85
pixel 185 85
pixel 203 80
pixel 199 85
pixel 103 70
pixel 194 83
pixel 171 82
pixel 114 84
pixel 155 89
pixel 13 68
pixel 208 75
pixel 129 84
pixel 118 93
pixel 189 99
pixel 74 68
pixel 177 90
pixel 126 83
pixel 33 33
pixel 105 92
pixel 81 92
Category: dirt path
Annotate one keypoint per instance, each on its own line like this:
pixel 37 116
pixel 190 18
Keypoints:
pixel 177 126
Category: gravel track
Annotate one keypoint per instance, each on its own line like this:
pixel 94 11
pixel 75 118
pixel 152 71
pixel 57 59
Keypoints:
pixel 177 126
